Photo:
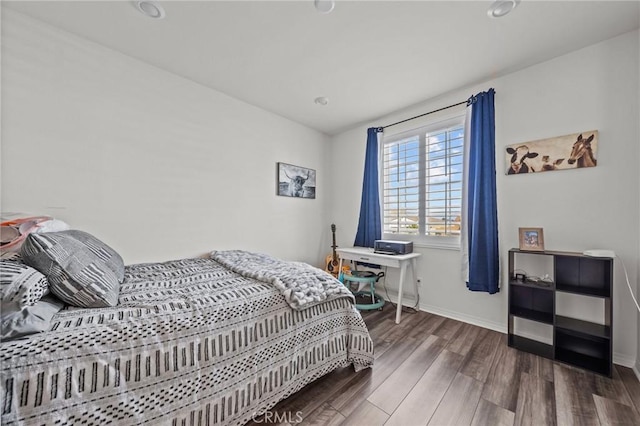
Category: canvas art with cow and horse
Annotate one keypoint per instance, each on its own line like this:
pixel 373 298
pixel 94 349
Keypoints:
pixel 573 151
pixel 296 181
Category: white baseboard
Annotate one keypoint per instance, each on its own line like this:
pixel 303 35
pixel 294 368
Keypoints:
pixel 480 322
pixel 624 360
pixel 618 358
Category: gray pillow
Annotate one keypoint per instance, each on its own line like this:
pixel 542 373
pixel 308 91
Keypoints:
pixel 21 285
pixel 28 319
pixel 81 270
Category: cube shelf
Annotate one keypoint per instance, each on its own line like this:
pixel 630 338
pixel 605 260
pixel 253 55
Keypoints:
pixel 530 345
pixel 531 303
pixel 577 342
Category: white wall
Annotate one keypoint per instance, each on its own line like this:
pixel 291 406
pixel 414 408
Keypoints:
pixel 593 88
pixel 637 369
pixel 157 166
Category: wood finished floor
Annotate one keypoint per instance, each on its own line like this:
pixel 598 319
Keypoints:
pixel 431 370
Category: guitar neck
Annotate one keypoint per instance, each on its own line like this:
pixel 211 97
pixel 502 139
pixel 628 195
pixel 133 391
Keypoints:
pixel 333 231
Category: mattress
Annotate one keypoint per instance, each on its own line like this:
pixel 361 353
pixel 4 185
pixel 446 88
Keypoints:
pixel 190 342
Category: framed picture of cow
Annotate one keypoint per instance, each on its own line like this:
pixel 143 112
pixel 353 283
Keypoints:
pixel 575 151
pixel 296 181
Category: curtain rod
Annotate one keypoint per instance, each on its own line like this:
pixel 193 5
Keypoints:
pixel 426 113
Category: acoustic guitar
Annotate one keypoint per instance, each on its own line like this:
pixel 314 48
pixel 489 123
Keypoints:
pixel 332 260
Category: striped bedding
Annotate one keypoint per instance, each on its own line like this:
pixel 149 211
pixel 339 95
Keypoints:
pixel 189 343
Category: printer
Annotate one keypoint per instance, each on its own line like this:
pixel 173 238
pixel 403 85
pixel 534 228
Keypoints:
pixel 392 247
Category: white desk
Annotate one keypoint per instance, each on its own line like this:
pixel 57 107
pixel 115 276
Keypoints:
pixel 366 255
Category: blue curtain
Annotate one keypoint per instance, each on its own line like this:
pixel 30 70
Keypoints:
pixel 370 225
pixel 484 266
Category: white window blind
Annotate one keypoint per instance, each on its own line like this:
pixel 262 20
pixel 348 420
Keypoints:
pixel 401 165
pixel 443 189
pixel 422 183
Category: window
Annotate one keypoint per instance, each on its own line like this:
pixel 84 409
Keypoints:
pixel 422 184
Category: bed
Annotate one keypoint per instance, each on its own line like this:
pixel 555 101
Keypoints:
pixel 190 342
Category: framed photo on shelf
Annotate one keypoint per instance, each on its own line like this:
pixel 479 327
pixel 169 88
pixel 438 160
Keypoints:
pixel 531 239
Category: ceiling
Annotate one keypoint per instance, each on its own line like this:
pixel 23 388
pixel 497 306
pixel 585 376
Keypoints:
pixel 370 58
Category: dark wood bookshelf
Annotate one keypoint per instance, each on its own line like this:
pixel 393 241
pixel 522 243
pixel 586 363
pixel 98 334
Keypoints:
pixel 530 345
pixel 530 314
pixel 596 364
pixel 583 327
pixel 576 342
pixel 531 284
pixel 584 291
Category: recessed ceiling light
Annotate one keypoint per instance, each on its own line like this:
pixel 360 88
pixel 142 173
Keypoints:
pixel 499 8
pixel 324 6
pixel 321 100
pixel 150 8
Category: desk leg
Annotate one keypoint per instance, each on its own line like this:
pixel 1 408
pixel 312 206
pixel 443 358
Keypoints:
pixel 340 269
pixel 415 277
pixel 403 269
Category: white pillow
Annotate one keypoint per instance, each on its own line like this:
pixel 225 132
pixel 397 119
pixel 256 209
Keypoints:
pixel 29 319
pixel 53 225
